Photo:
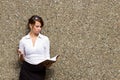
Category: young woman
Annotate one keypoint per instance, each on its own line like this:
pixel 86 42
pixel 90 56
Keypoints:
pixel 33 49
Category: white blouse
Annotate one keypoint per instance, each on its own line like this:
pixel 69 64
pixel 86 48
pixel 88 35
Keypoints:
pixel 37 53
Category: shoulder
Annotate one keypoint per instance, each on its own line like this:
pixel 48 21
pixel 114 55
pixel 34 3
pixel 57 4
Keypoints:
pixel 44 37
pixel 23 39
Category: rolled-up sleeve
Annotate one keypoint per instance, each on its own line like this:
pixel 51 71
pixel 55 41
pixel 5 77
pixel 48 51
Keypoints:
pixel 47 48
pixel 21 46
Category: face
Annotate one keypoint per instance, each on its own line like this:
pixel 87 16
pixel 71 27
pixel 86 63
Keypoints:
pixel 36 28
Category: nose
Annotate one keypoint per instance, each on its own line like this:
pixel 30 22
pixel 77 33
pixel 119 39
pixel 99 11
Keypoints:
pixel 39 28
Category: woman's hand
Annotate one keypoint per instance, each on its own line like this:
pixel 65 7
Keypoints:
pixel 21 57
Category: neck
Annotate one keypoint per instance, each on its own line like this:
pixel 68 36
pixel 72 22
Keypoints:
pixel 33 35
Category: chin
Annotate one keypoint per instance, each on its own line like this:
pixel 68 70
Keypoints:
pixel 37 33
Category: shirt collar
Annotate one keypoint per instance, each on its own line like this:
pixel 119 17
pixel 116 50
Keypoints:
pixel 28 36
pixel 40 35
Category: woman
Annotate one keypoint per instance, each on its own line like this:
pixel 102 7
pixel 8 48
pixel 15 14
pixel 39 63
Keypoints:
pixel 33 49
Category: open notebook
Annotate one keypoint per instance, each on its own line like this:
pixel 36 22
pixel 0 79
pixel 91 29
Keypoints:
pixel 49 62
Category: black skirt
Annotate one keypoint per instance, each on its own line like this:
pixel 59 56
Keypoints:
pixel 32 72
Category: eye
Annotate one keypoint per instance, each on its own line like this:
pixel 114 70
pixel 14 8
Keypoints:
pixel 37 26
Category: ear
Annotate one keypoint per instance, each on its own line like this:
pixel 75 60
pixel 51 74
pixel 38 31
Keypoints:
pixel 30 25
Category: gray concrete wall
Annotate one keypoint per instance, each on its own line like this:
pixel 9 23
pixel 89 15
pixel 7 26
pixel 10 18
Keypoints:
pixel 86 33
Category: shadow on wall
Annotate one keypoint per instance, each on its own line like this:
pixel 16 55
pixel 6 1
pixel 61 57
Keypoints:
pixel 49 74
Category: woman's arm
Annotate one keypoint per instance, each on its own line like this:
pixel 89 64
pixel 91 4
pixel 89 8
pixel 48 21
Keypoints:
pixel 47 49
pixel 20 51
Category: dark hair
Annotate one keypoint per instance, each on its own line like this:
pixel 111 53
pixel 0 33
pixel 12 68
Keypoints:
pixel 32 20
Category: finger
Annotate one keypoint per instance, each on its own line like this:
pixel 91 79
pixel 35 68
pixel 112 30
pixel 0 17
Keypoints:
pixel 19 51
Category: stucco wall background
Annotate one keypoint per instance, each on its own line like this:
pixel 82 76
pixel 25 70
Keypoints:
pixel 86 34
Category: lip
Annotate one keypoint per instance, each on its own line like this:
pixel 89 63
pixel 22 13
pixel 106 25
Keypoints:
pixel 38 31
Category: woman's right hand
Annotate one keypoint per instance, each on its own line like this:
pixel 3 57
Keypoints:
pixel 21 57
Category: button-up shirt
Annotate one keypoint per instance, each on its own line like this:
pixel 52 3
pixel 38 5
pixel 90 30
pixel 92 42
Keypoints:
pixel 37 53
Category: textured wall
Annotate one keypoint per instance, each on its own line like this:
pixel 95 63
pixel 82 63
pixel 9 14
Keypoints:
pixel 86 33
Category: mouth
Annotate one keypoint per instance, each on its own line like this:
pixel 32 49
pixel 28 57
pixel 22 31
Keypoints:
pixel 37 31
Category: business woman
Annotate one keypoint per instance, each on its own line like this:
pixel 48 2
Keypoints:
pixel 33 49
